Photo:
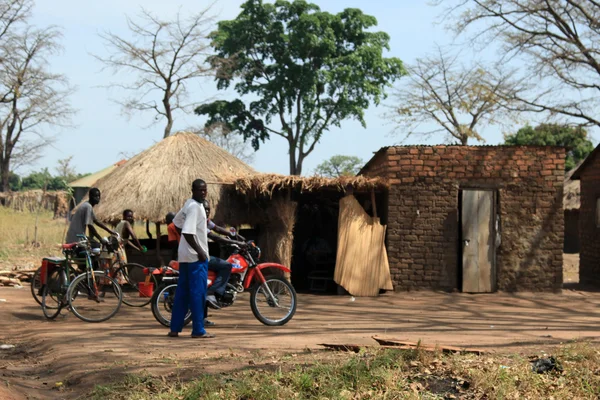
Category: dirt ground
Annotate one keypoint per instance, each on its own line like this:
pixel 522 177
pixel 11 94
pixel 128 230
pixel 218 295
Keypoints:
pixel 79 355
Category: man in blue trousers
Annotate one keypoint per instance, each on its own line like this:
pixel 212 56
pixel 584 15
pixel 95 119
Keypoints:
pixel 193 264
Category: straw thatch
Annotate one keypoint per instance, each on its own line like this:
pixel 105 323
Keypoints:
pixel 572 191
pixel 266 184
pixel 159 179
pixel 278 236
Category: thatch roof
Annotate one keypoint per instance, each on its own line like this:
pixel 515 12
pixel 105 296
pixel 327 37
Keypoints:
pixel 159 179
pixel 266 184
pixel 89 180
pixel 572 191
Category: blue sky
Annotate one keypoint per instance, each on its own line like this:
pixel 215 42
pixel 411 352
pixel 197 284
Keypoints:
pixel 101 132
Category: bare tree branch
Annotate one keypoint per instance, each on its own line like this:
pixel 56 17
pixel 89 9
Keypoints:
pixel 558 39
pixel 34 98
pixel 164 56
pixel 456 98
pixel 229 141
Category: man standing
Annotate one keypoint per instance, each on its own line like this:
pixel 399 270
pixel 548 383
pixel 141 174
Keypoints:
pixel 85 217
pixel 173 235
pixel 125 230
pixel 193 264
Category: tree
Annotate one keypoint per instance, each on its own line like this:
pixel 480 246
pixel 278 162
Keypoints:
pixel 32 97
pixel 164 56
pixel 456 98
pixel 339 165
pixel 574 139
pixel 559 40
pixel 227 140
pixel 65 170
pixel 14 182
pixel 305 71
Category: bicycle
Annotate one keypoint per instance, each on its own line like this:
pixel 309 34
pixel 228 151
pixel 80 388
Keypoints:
pixel 90 293
pixel 137 286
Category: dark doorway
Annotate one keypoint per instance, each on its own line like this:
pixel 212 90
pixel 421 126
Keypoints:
pixel 315 242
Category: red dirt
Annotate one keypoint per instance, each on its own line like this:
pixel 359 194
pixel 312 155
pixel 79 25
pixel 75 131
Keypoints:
pixel 80 354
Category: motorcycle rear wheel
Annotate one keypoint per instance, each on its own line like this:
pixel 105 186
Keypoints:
pixel 284 306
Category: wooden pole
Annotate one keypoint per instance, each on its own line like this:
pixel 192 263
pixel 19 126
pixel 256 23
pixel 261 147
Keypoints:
pixel 373 204
pixel 148 229
pixel 158 244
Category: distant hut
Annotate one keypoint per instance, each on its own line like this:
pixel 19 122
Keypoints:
pixel 159 179
pixel 81 186
pixel 571 201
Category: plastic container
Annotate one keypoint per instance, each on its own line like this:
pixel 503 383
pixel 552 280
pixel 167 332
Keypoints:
pixel 146 289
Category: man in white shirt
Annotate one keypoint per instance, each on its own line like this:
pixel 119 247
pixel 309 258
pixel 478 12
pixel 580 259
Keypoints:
pixel 193 264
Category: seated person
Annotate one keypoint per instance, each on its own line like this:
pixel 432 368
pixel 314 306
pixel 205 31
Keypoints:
pixel 216 293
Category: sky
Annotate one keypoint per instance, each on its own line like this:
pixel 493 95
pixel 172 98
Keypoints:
pixel 101 133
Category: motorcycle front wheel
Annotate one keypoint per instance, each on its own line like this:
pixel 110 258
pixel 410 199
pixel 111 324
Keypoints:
pixel 274 302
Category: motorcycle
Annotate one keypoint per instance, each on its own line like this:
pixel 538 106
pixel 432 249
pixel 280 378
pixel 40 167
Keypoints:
pixel 273 299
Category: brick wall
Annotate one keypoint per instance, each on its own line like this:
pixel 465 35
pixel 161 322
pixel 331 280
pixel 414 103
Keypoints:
pixel 423 212
pixel 589 255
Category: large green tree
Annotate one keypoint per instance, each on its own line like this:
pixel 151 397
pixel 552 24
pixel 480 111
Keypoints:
pixel 573 138
pixel 339 165
pixel 303 70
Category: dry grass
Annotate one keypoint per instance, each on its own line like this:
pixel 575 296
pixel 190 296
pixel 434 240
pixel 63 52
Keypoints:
pixel 17 233
pixel 383 374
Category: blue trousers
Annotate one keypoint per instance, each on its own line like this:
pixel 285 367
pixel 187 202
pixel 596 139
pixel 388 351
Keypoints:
pixel 190 294
pixel 223 270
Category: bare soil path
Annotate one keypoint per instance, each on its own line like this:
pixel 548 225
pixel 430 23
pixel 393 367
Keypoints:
pixel 80 355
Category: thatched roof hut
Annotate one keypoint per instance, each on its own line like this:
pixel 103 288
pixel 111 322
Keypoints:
pixel 267 184
pixel 572 191
pixel 159 179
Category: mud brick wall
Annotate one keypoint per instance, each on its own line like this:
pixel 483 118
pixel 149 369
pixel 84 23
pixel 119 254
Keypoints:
pixel 589 232
pixel 423 213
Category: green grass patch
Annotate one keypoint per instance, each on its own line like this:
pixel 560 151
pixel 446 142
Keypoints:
pixel 386 374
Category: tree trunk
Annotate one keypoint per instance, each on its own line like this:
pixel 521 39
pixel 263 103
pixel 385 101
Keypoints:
pixel 169 126
pixel 5 172
pixel 293 164
pixel 168 111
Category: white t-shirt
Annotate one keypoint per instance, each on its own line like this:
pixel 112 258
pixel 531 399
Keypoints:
pixel 192 220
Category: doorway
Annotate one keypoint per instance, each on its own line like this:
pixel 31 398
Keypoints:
pixel 478 239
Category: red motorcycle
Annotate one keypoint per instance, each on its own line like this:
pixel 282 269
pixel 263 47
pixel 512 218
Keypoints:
pixel 272 297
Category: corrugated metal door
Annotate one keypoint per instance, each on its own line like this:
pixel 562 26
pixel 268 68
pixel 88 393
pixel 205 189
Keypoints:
pixel 478 246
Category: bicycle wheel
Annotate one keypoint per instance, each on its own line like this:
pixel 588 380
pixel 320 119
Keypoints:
pixel 36 285
pixel 276 310
pixel 162 305
pixel 136 293
pixel 53 294
pixel 94 296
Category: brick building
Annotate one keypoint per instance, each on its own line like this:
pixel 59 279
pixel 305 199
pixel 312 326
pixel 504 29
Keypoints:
pixel 589 218
pixel 476 219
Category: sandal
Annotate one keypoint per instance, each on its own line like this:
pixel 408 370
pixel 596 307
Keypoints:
pixel 204 336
